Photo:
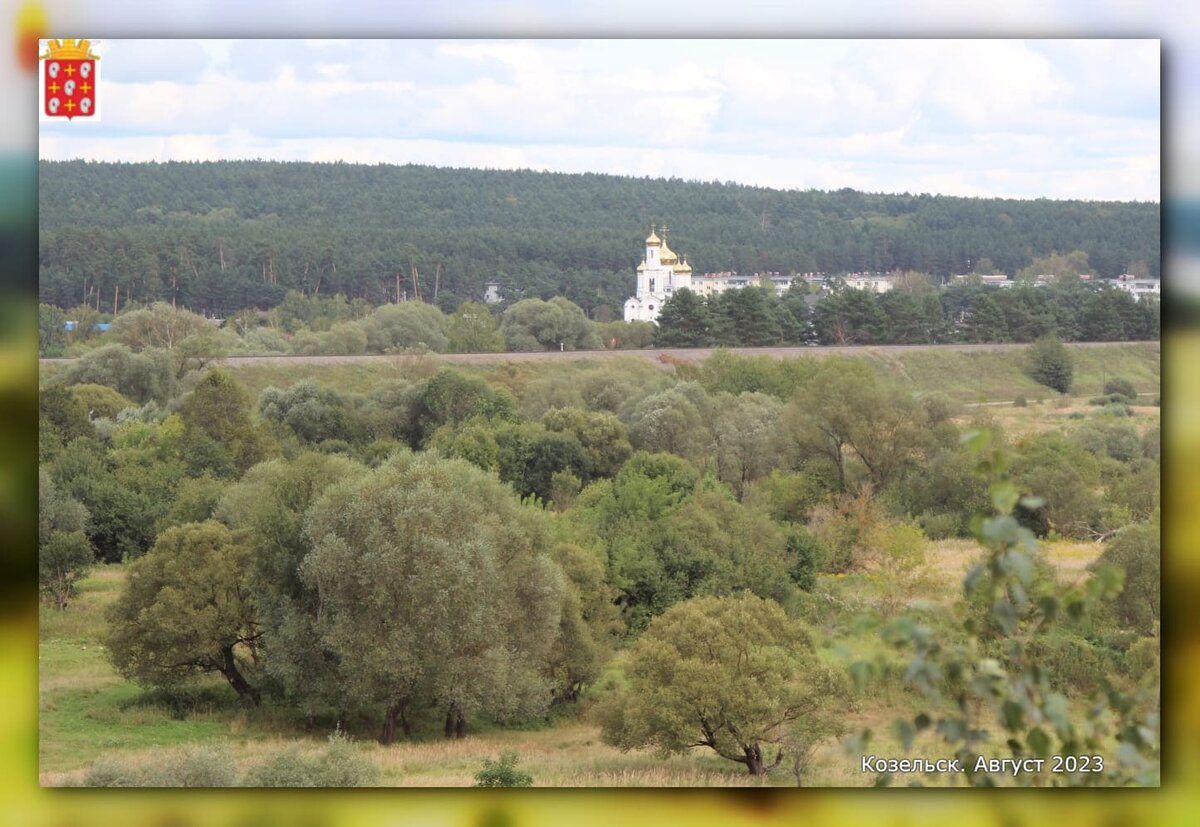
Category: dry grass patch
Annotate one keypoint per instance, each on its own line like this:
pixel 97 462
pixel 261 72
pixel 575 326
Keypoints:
pixel 951 559
pixel 1071 556
pixel 570 755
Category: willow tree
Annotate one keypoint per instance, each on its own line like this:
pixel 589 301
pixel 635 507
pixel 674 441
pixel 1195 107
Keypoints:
pixel 268 505
pixel 185 610
pixel 435 586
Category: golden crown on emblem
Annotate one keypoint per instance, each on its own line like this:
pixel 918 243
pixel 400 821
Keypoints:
pixel 70 49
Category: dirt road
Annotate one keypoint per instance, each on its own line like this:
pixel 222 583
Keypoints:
pixel 662 356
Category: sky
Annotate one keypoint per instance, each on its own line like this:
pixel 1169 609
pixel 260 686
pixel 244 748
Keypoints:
pixel 1010 118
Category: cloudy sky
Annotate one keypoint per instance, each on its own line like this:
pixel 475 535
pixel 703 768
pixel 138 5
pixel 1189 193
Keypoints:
pixel 1039 118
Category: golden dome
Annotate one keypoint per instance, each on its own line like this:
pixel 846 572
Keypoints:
pixel 683 268
pixel 653 237
pixel 668 255
pixel 641 267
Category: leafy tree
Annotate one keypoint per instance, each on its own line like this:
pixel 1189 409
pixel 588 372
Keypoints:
pixel 849 317
pixel 435 584
pixel 185 610
pixel 312 412
pixel 52 333
pixel 942 494
pixel 528 457
pixel 219 408
pixel 1049 363
pixel 726 673
pixel 591 621
pixel 395 327
pixel 1069 266
pixel 122 507
pixel 603 437
pixel 142 377
pixel 533 324
pixel 100 401
pixel 1102 317
pixel 63 414
pixel 160 325
pixel 619 335
pixel 64 553
pixel 827 697
pixel 714 545
pixel 344 338
pixel 452 398
pixel 472 329
pixel 672 421
pixel 195 501
pixel 825 420
pixel 745 433
pixel 268 506
pixel 749 317
pixel 987 322
pixel 1068 474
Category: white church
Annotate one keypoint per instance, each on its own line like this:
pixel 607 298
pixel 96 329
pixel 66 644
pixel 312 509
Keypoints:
pixel 659 275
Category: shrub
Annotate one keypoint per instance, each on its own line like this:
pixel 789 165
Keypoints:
pixel 1073 664
pixel 844 530
pixel 109 772
pixel 1142 660
pixel 1020 402
pixel 1136 550
pixel 940 526
pixel 195 766
pixel 339 764
pixel 1120 387
pixel 1117 409
pixel 503 772
pixel 202 766
pixel 808 557
pixel 286 768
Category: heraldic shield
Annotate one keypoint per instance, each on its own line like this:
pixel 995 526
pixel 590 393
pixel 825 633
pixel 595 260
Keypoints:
pixel 69 79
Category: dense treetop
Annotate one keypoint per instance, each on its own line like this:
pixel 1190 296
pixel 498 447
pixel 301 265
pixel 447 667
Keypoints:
pixel 219 236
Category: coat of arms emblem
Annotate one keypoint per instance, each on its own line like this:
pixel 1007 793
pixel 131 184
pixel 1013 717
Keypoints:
pixel 70 75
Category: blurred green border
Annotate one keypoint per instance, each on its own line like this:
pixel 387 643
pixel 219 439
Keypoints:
pixel 23 803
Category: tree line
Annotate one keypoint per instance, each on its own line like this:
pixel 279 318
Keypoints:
pixel 756 316
pixel 217 237
pixel 749 317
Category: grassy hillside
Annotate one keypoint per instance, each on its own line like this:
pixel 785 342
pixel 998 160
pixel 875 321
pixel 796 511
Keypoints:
pixel 965 376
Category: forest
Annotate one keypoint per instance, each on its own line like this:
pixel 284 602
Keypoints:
pixel 749 317
pixel 219 237
pixel 737 571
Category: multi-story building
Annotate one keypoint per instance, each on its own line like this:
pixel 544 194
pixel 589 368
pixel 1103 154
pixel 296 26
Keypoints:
pixel 1138 287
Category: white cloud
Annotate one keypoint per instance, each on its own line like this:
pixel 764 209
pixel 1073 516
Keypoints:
pixel 971 117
